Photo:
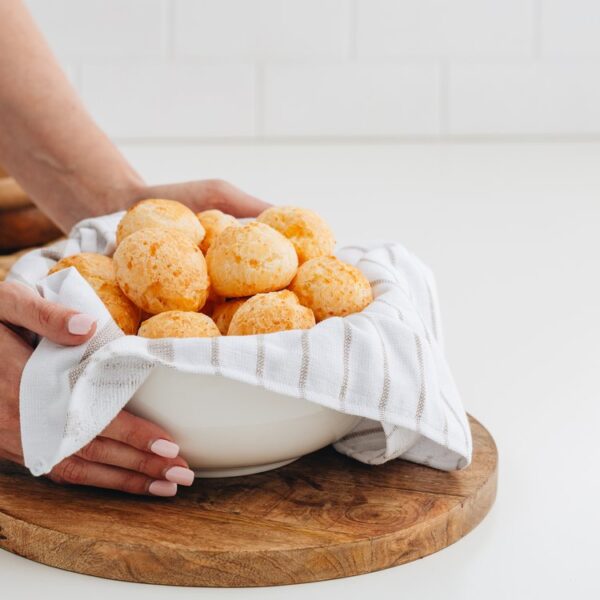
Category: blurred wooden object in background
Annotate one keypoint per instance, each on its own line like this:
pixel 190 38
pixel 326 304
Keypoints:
pixel 22 224
pixel 3 173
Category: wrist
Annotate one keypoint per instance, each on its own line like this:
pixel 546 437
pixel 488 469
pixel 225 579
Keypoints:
pixel 122 195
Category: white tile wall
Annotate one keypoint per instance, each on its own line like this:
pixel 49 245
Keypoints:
pixel 535 98
pixel 354 99
pixel 262 29
pixel 80 30
pixel 445 28
pixel 570 28
pixel 173 101
pixel 331 68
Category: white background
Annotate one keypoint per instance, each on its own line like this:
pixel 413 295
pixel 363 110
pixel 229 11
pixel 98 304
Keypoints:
pixel 172 69
pixel 511 232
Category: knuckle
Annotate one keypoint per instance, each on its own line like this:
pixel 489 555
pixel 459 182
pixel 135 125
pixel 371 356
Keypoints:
pixel 132 484
pixel 132 438
pixel 95 451
pixel 12 297
pixel 47 314
pixel 144 465
pixel 7 290
pixel 219 193
pixel 73 471
pixel 217 184
pixel 56 477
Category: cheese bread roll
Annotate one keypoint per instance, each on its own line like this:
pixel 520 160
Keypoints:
pixel 149 214
pixel 268 313
pixel 309 233
pixel 178 324
pixel 161 270
pixel 250 259
pixel 331 288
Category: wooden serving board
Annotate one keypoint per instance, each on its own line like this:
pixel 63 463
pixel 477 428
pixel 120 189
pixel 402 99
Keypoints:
pixel 322 517
pixel 21 223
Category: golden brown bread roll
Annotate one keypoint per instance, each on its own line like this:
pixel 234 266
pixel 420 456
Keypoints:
pixel 331 288
pixel 250 259
pixel 178 324
pixel 223 313
pixel 99 272
pixel 148 214
pixel 268 313
pixel 161 270
pixel 214 222
pixel 309 233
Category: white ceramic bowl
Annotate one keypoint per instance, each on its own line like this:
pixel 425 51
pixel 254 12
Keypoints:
pixel 227 428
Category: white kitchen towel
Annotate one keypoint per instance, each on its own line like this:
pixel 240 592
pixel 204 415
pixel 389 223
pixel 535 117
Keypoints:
pixel 385 364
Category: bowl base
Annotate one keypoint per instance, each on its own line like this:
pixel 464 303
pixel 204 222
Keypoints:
pixel 239 471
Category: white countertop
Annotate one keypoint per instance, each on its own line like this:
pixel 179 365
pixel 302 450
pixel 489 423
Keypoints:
pixel 512 232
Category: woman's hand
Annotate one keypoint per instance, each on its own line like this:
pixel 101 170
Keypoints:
pixel 131 455
pixel 209 193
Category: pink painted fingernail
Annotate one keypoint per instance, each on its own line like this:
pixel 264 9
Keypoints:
pixel 80 324
pixel 164 489
pixel 165 448
pixel 180 475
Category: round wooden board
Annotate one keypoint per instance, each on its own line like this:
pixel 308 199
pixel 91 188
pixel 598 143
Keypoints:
pixel 322 517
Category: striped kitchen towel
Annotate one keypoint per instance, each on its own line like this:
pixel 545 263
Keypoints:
pixel 385 364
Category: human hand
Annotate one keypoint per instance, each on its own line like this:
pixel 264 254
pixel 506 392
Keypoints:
pixel 209 193
pixel 131 455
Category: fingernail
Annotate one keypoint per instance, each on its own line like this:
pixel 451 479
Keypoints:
pixel 165 489
pixel 80 324
pixel 180 475
pixel 165 448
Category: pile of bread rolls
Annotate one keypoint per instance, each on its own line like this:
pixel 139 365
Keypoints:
pixel 178 274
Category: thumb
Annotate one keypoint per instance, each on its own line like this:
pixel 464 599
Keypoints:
pixel 20 306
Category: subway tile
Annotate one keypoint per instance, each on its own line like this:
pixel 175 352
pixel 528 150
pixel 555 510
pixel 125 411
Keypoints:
pixel 445 28
pixel 262 29
pixel 148 101
pixel 351 100
pixel 536 98
pixel 570 28
pixel 99 29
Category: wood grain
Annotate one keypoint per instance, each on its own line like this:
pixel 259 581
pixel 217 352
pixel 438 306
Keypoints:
pixel 322 517
pixel 21 223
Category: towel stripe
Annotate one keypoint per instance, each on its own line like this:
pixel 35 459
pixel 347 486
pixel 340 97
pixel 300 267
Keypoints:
pixel 305 364
pixel 423 390
pixel 398 311
pixel 434 326
pixel 385 392
pixel 358 434
pixel 260 358
pixel 215 359
pixel 346 365
pixel 391 254
pixel 458 420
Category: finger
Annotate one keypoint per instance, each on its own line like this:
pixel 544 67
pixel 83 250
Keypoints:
pixel 77 471
pixel 241 204
pixel 141 434
pixel 109 452
pixel 244 205
pixel 23 308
